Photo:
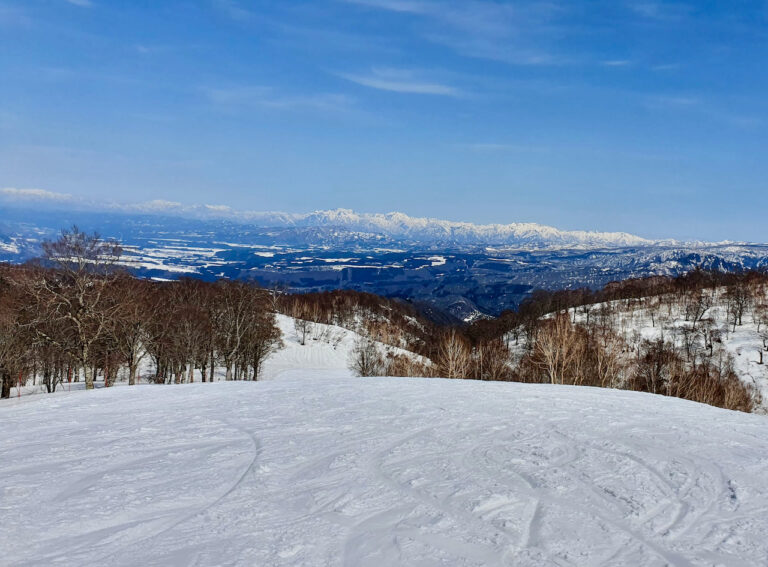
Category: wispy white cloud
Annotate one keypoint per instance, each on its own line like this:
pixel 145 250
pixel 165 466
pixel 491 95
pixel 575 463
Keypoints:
pixel 14 194
pixel 400 81
pixel 81 3
pixel 234 10
pixel 270 98
pixel 662 11
pixel 408 6
pixel 672 101
pixel 144 49
pixel 522 33
pixel 617 63
pixel 665 67
pixel 716 111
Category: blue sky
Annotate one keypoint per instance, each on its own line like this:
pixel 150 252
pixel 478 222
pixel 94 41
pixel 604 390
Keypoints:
pixel 648 117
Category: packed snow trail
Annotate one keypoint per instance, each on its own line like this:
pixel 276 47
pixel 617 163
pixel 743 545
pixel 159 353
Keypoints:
pixel 315 468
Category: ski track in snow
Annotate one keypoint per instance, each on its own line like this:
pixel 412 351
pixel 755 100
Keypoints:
pixel 318 468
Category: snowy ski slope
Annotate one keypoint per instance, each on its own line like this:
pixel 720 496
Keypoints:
pixel 315 467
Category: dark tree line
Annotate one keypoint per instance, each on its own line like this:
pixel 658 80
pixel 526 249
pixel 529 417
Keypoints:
pixel 74 315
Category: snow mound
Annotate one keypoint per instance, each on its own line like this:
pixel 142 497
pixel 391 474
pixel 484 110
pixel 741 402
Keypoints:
pixel 326 347
pixel 314 468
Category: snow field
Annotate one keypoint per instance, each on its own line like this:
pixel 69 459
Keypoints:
pixel 316 468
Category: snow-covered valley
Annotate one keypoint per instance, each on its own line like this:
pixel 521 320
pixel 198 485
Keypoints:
pixel 316 467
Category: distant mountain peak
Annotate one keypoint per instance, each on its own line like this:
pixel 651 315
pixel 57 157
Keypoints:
pixel 402 226
pixel 394 225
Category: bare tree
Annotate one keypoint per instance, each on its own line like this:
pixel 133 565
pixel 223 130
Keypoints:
pixel 13 345
pixel 130 326
pixel 558 345
pixel 453 357
pixel 655 366
pixel 739 298
pixel 236 313
pixel 491 360
pixel 710 335
pixel 609 358
pixel 75 295
pixel 697 305
pixel 263 337
pixel 365 359
pixel 191 326
pixel 761 315
pixel 303 329
pixel 653 307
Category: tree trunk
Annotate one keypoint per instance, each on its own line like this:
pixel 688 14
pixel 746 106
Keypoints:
pixel 88 377
pixel 132 374
pixel 5 386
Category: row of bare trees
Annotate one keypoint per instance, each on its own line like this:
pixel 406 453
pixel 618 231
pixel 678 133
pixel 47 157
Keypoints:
pixel 566 337
pixel 75 315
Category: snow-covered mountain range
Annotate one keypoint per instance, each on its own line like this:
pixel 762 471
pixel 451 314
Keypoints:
pixel 436 231
pixel 394 225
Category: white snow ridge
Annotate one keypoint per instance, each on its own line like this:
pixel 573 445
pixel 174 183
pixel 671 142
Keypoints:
pixel 317 468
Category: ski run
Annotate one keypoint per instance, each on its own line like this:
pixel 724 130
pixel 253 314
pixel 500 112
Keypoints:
pixel 316 467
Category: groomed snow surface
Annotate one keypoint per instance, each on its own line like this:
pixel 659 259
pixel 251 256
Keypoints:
pixel 320 468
